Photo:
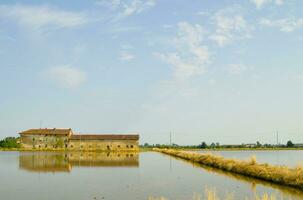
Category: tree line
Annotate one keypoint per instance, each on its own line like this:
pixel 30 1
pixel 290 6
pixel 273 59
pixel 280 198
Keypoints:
pixel 10 142
pixel 217 145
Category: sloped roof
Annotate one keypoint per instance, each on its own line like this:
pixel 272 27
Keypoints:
pixel 46 131
pixel 105 137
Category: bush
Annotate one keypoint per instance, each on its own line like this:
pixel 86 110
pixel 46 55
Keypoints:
pixel 290 144
pixel 9 142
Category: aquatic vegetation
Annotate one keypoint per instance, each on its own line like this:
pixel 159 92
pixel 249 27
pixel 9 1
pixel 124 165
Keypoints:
pixel 211 194
pixel 292 177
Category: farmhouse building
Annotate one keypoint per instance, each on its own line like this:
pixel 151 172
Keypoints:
pixel 66 139
pixel 45 138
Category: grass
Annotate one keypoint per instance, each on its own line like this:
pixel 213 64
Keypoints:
pixel 211 194
pixel 282 175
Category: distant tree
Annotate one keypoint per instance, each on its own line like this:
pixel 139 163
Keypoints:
pixel 259 144
pixel 203 145
pixel 213 145
pixel 290 144
pixel 9 142
pixel 146 144
pixel 217 145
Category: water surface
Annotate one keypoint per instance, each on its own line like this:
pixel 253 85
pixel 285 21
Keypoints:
pixel 291 158
pixel 79 176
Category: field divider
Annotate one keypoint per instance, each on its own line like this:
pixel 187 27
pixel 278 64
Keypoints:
pixel 282 175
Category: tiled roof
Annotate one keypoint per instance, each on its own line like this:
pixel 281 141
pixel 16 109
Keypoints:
pixel 105 137
pixel 54 131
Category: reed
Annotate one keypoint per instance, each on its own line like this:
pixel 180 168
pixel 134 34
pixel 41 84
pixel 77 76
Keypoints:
pixel 282 175
pixel 212 195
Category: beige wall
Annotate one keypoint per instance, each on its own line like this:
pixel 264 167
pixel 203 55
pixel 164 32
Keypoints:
pixel 104 145
pixel 43 141
pixel 62 142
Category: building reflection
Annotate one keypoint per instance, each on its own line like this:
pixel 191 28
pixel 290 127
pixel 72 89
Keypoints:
pixel 64 162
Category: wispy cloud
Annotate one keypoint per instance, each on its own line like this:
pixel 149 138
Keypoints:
pixel 285 25
pixel 42 18
pixel 236 69
pixel 126 56
pixel 191 56
pixel 127 8
pixel 230 27
pixel 66 76
pixel 260 3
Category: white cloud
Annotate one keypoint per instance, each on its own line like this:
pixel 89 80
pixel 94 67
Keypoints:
pixel 260 3
pixel 285 25
pixel 66 76
pixel 230 27
pixel 127 8
pixel 127 56
pixel 191 56
pixel 236 69
pixel 42 17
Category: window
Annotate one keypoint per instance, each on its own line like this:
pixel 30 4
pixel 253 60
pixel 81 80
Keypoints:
pixel 131 146
pixel 118 146
pixel 71 146
pixel 46 146
pixel 126 146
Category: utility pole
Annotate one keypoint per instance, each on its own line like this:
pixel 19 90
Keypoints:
pixel 277 135
pixel 40 124
pixel 170 138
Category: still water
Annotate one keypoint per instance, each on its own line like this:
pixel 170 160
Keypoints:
pixel 290 158
pixel 124 176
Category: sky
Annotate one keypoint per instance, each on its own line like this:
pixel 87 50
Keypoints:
pixel 227 71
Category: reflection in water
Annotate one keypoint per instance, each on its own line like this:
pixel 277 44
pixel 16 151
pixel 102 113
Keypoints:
pixel 64 162
pixel 292 192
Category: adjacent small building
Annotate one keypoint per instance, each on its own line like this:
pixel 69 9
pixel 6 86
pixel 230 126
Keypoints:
pixel 104 142
pixel 66 139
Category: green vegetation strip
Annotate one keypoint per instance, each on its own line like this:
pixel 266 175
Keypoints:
pixel 282 175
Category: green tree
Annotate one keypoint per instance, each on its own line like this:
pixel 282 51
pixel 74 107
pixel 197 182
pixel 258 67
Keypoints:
pixel 259 144
pixel 10 142
pixel 203 145
pixel 290 144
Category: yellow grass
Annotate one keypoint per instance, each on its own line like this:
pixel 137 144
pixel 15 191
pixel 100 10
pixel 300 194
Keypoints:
pixel 211 194
pixel 275 174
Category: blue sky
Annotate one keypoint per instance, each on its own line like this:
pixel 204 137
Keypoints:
pixel 217 71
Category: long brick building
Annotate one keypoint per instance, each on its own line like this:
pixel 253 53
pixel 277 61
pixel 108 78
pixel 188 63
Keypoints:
pixel 65 139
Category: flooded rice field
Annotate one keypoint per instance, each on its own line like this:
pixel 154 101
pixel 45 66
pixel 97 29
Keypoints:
pixel 290 158
pixel 128 176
